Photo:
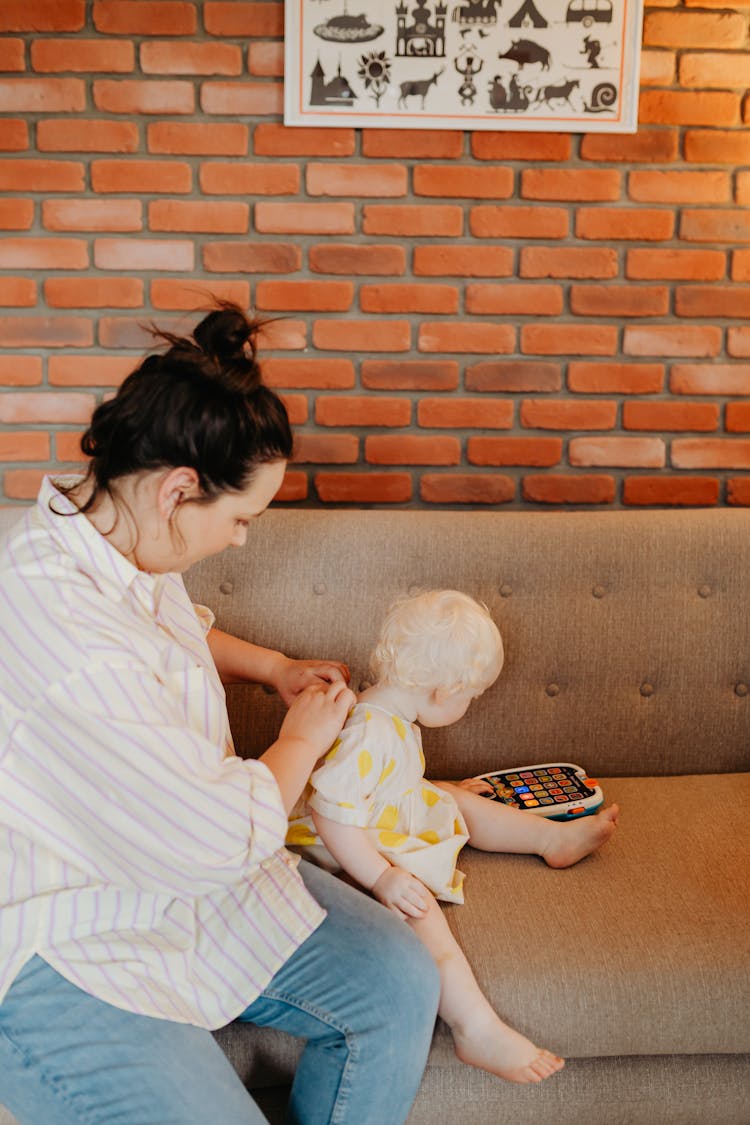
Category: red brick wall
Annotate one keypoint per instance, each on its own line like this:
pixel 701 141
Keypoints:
pixel 469 319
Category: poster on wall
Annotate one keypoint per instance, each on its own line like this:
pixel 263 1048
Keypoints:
pixel 528 65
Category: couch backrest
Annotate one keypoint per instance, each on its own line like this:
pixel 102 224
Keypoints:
pixel 627 634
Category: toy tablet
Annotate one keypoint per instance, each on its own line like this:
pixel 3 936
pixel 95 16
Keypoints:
pixel 558 790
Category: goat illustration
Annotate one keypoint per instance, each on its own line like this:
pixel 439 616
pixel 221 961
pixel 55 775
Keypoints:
pixel 419 89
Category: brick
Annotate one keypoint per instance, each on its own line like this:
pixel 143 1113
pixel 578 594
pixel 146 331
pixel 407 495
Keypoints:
pixel 362 336
pixel 103 56
pixel 737 419
pixel 88 370
pixel 624 223
pixel 12 55
pixel 293 488
pixel 73 134
pixel 408 449
pixel 17 292
pixel 23 484
pixel 14 135
pixel 234 18
pixel 409 298
pixel 121 332
pixel 466 488
pixel 537 452
pixel 282 334
pixel 93 292
pixel 406 221
pixel 363 488
pixel 251 99
pixel 233 178
pixel 440 336
pixel 339 449
pixel 20 370
pixel 568 262
pixel 463 182
pixel 675 265
pixel 617 452
pixel 16 214
pixel 738 491
pixel 571 184
pixel 557 488
pixel 694 29
pixel 124 17
pixel 409 375
pixel 24 445
pixel 711 453
pixel 412 144
pixel 362 410
pixel 738 342
pixel 514 300
pixel 713 300
pixel 304 218
pixel 619 300
pixel 463 261
pixel 214 139
pixel 568 339
pixel 266 59
pixel 465 413
pixel 717 146
pixel 339 258
pixel 679 187
pixel 165 57
pixel 665 491
pixel 251 257
pixel 143 254
pixel 520 146
pixel 671 107
pixel 742 188
pixel 43 254
pixel 44 406
pixel 360 180
pixel 175 293
pixel 42 95
pixel 191 215
pixel 42 15
pixel 272 139
pixel 40 175
pixel 505 376
pixel 715 226
pixel 714 69
pixel 669 340
pixel 92 214
pixel 710 379
pixel 658 68
pixel 741 265
pixel 323 296
pixel 157 176
pixel 518 222
pixel 135 97
pixel 671 416
pixel 68 447
pixel 616 378
pixel 567 414
pixel 320 374
pixel 647 146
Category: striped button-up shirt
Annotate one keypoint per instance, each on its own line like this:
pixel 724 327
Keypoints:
pixel 139 856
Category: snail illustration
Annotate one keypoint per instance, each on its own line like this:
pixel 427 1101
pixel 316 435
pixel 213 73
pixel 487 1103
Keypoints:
pixel 603 97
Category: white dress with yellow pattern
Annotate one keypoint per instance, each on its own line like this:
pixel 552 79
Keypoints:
pixel 373 778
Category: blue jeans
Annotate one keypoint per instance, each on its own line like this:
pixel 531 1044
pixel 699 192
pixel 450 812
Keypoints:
pixel 361 990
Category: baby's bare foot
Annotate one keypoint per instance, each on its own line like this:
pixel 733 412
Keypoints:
pixel 578 838
pixel 497 1048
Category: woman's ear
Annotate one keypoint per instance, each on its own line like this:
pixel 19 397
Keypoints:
pixel 177 485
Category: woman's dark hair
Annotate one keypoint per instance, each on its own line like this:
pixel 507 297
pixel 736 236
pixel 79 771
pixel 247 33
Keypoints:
pixel 201 403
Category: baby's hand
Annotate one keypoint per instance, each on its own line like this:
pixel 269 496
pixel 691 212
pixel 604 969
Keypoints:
pixel 402 893
pixel 475 785
pixel 318 713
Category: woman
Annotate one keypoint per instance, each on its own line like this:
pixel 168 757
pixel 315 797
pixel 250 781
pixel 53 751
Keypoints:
pixel 146 895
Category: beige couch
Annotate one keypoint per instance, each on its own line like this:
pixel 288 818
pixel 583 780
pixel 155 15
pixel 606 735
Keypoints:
pixel 627 639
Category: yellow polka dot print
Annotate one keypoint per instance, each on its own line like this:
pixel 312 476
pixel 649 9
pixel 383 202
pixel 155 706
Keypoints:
pixel 364 763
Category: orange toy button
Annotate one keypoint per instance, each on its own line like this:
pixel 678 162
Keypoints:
pixel 591 782
pixel 575 812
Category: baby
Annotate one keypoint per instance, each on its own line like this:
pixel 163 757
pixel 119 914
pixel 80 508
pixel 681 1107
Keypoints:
pixel 370 809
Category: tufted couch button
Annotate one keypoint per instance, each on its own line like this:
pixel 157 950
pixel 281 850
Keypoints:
pixel 319 588
pixel 704 591
pixel 506 590
pixel 646 690
pixel 552 690
pixel 598 591
pixel 741 689
pixel 226 587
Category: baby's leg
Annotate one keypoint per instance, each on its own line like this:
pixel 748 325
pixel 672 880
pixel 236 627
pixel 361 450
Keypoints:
pixel 479 1035
pixel 494 827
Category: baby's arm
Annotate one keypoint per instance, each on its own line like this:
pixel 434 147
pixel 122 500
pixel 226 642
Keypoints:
pixel 401 892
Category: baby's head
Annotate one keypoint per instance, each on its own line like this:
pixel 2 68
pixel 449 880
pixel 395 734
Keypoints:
pixel 439 642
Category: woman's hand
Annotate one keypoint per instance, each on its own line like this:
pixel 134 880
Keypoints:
pixel 402 893
pixel 291 677
pixel 317 713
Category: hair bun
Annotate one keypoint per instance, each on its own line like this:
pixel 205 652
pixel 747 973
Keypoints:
pixel 227 335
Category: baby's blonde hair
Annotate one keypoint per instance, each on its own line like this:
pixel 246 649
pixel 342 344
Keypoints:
pixel 438 639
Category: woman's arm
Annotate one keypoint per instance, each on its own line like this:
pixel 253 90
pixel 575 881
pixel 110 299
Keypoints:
pixel 239 661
